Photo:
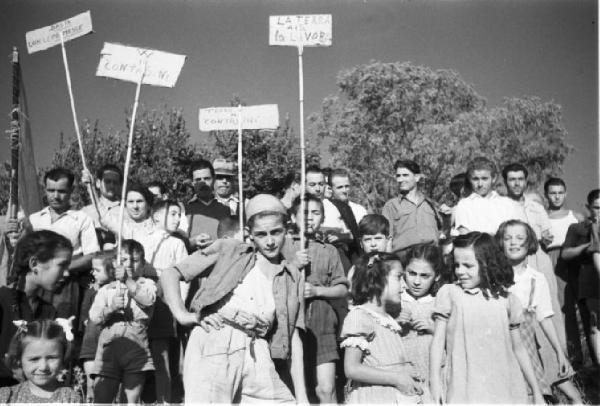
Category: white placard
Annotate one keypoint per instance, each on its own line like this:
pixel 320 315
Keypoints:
pixel 309 30
pixel 47 37
pixel 264 116
pixel 127 63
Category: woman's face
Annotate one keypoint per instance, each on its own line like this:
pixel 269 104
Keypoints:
pixel 395 285
pixel 136 205
pixel 50 274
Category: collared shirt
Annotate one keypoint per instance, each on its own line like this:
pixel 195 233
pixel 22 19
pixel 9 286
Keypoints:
pixel 75 225
pixel 536 299
pixel 333 219
pixel 230 261
pixel 230 201
pixel 105 206
pixel 138 309
pixel 204 217
pixel 411 222
pixel 535 215
pixel 485 214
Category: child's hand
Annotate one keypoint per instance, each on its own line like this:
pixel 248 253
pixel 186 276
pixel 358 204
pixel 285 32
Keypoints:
pixel 302 259
pixel 423 325
pixel 201 240
pixel 187 319
pixel 120 273
pixel 405 316
pixel 408 385
pixel 563 365
pixel 310 290
pixel 118 303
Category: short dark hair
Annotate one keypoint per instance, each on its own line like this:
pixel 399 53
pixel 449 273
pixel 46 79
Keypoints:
pixel 481 163
pixel 131 245
pixel 514 167
pixel 432 254
pixel 314 169
pixel 164 205
pixel 290 179
pixel 407 164
pixel 156 183
pixel 593 195
pixel 228 226
pixel 55 174
pixel 309 197
pixel 372 224
pixel 338 172
pixel 532 242
pixel 458 185
pixel 370 276
pixel 202 164
pixel 109 168
pixel 554 182
pixel 495 272
pixel 143 190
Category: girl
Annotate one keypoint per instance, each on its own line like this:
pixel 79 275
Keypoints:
pixel 38 351
pixel 375 361
pixel 40 263
pixel 477 321
pixel 424 267
pixel 518 240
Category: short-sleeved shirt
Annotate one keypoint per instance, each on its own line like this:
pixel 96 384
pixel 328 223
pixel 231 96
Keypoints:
pixel 333 218
pixel 411 222
pixel 75 225
pixel 485 214
pixel 134 311
pixel 204 217
pixel 105 206
pixel 540 300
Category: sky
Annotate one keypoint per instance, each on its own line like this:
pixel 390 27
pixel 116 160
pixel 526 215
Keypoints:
pixel 504 48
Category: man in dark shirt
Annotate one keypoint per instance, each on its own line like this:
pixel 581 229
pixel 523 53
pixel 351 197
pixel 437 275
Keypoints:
pixel 204 211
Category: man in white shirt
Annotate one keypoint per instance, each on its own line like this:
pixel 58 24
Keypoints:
pixel 484 209
pixel 340 185
pixel 224 176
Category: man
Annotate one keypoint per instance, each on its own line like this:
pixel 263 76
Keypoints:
pixel 203 212
pixel 249 308
pixel 290 189
pixel 224 176
pixel 413 216
pixel 484 209
pixel 158 190
pixel 76 226
pixel 315 181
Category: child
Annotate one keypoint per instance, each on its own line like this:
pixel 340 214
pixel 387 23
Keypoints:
pixel 477 322
pixel 38 351
pixel 374 235
pixel 103 272
pixel 325 282
pixel 424 266
pixel 375 360
pixel 123 308
pixel 40 263
pixel 518 240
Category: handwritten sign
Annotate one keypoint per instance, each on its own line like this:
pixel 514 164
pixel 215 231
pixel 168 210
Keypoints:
pixel 129 63
pixel 309 30
pixel 226 118
pixel 47 37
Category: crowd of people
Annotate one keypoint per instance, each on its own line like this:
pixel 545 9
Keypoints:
pixel 420 303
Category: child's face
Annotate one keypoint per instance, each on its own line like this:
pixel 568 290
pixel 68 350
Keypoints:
pixel 99 271
pixel 42 361
pixel 481 181
pixel 374 242
pixel 594 209
pixel 132 261
pixel 395 285
pixel 515 243
pixel 420 277
pixel 314 219
pixel 268 233
pixel 170 222
pixel 51 273
pixel 466 268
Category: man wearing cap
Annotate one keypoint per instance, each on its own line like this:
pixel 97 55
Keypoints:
pixel 247 314
pixel 224 176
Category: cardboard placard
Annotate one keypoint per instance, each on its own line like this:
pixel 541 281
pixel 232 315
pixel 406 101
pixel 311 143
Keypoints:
pixel 47 37
pixel 309 30
pixel 264 116
pixel 128 63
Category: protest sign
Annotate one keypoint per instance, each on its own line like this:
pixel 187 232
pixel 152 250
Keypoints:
pixel 128 63
pixel 47 37
pixel 306 30
pixel 258 117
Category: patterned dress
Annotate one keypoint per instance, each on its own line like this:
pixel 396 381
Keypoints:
pixel 21 393
pixel 378 336
pixel 417 344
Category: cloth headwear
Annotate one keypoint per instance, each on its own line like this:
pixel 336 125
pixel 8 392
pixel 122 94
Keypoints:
pixel 262 203
pixel 224 167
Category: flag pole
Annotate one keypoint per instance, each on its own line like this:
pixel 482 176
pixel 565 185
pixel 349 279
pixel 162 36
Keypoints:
pixel 240 174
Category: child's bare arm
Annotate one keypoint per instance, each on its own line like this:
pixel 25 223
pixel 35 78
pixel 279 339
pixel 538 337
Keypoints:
pixel 436 352
pixel 569 253
pixel 326 292
pixel 525 364
pixel 550 333
pixel 103 306
pixel 169 280
pixel 143 291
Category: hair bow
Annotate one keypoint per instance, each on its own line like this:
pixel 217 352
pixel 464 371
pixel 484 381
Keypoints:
pixel 21 326
pixel 67 326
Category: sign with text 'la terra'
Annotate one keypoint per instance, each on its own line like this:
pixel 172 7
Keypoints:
pixel 47 37
pixel 128 63
pixel 309 30
pixel 263 116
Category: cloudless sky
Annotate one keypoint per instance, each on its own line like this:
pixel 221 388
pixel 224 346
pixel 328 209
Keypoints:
pixel 504 48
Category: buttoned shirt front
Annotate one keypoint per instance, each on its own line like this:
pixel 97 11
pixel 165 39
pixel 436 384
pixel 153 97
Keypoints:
pixel 485 214
pixel 230 201
pixel 75 225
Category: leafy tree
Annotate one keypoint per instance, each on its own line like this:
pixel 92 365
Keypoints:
pixel 387 111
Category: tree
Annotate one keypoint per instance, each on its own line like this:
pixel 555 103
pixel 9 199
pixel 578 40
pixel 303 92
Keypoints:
pixel 387 111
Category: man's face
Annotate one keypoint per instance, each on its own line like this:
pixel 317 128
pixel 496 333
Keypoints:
pixel 58 194
pixel 223 185
pixel 109 185
pixel 594 209
pixel 315 183
pixel 136 205
pixel 515 184
pixel 556 196
pixel 203 182
pixel 341 188
pixel 268 234
pixel 481 181
pixel 407 180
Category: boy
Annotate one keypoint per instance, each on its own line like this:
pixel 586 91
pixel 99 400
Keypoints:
pixel 325 282
pixel 249 308
pixel 374 234
pixel 123 308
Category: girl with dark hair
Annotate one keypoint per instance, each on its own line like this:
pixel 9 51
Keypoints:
pixel 40 263
pixel 375 360
pixel 477 323
pixel 38 352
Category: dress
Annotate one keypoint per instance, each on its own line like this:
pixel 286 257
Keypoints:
pixel 416 344
pixel 21 393
pixel 379 338
pixel 481 366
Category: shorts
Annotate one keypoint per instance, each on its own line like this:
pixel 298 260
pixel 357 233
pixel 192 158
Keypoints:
pixel 89 345
pixel 123 349
pixel 321 333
